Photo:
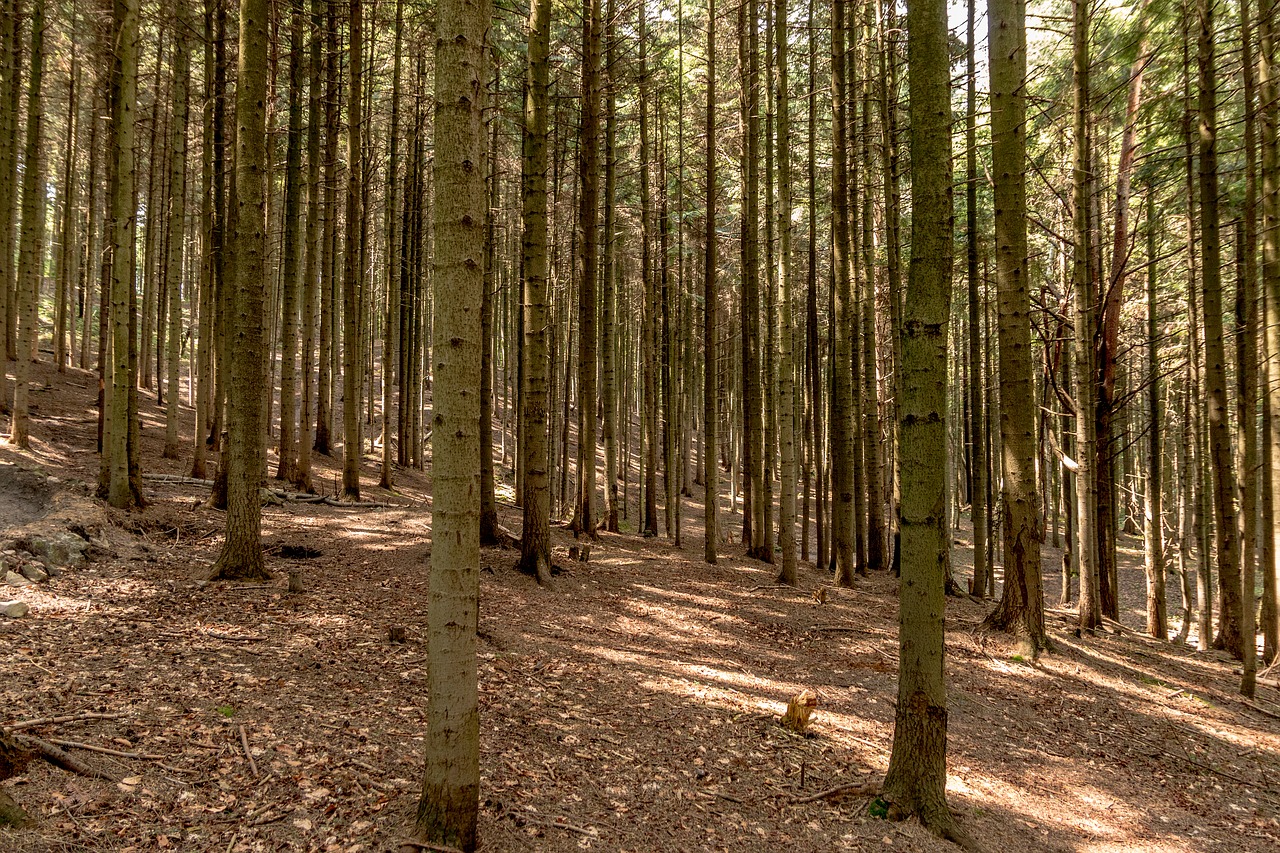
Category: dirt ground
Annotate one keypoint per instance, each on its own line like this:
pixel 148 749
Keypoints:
pixel 632 707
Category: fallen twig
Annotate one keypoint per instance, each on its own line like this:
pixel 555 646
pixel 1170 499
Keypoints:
pixel 859 788
pixel 541 821
pixel 65 718
pixel 233 637
pixel 244 742
pixel 840 628
pixel 71 744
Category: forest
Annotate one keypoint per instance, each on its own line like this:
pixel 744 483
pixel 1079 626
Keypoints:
pixel 685 425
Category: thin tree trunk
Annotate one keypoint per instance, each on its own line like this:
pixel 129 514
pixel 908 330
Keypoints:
pixel 710 353
pixel 177 216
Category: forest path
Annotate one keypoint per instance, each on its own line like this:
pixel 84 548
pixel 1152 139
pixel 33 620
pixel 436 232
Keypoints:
pixel 631 707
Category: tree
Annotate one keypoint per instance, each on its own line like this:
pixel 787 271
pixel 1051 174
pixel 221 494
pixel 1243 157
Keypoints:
pixel 449 808
pixel 352 339
pixel 291 278
pixel 977 418
pixel 786 365
pixel 710 359
pixel 31 244
pixel 842 519
pixel 915 785
pixel 119 481
pixel 1222 464
pixel 1021 607
pixel 241 555
pixel 177 217
pixel 584 520
pixel 535 539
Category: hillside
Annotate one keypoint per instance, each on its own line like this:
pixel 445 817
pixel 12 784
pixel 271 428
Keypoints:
pixel 630 708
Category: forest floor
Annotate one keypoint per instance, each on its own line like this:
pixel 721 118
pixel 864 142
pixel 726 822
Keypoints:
pixel 632 707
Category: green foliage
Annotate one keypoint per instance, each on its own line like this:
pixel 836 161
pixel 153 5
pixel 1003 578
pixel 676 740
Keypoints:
pixel 878 808
pixel 226 710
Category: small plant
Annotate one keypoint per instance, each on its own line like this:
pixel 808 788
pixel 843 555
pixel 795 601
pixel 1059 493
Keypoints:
pixel 878 808
pixel 226 710
pixel 1018 659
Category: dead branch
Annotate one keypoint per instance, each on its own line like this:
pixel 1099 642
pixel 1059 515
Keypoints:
pixel 244 742
pixel 71 744
pixel 65 718
pixel 861 789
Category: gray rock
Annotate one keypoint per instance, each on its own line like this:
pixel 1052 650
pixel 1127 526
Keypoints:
pixel 35 574
pixel 14 579
pixel 13 609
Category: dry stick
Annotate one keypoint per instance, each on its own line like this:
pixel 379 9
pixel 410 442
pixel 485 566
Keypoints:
pixel 862 788
pixel 65 718
pixel 244 742
pixel 71 744
pixel 233 637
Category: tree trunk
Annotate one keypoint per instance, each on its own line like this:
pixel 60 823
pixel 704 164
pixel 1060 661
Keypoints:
pixel 241 556
pixel 535 539
pixel 1224 479
pixel 31 243
pixel 352 297
pixel 786 363
pixel 842 517
pixel 1021 608
pixel 177 217
pixel 1157 619
pixel 293 249
pixel 977 419
pixel 915 785
pixel 449 808
pixel 710 353
pixel 584 519
pixel 311 267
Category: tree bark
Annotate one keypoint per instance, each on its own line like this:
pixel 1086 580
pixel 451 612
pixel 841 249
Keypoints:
pixel 241 556
pixel 448 810
pixel 1021 607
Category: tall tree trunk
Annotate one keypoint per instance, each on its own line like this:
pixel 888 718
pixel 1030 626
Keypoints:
pixel 609 276
pixel 311 266
pixel 915 785
pixel 710 353
pixel 535 539
pixel 177 217
pixel 1021 608
pixel 977 419
pixel 391 334
pixel 841 429
pixel 352 297
pixel 450 805
pixel 118 487
pixel 1087 545
pixel 786 363
pixel 1157 619
pixel 293 249
pixel 31 243
pixel 1223 466
pixel 1269 101
pixel 488 500
pixel 752 380
pixel 584 519
pixel 241 555
pixel 10 42
pixel 328 346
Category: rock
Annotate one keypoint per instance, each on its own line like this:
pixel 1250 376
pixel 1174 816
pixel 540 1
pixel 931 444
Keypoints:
pixel 13 609
pixel 12 578
pixel 35 574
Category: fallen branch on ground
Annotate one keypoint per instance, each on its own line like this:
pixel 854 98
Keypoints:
pixel 71 744
pixel 244 742
pixel 864 789
pixel 65 718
